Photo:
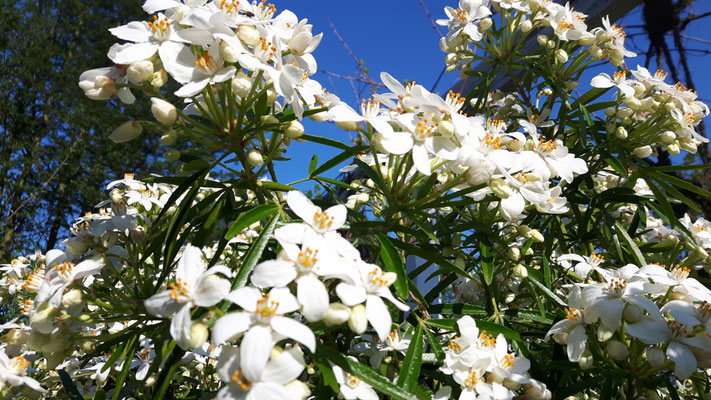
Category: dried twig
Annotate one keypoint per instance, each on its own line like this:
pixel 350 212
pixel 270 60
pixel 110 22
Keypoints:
pixel 350 78
pixel 432 20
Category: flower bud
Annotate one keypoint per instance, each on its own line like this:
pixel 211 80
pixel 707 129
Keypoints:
pixel 604 333
pixel 169 138
pixel 542 40
pixel 668 137
pixel 140 71
pixel 485 24
pixel 229 53
pixel 514 253
pixel 241 85
pixel 500 188
pixel 319 117
pixel 17 337
pixel 526 26
pixel 298 389
pixel 621 133
pixel 159 78
pixel 72 298
pixel 164 112
pixel 451 59
pixel 254 157
pixel 571 85
pixel 617 350
pixel 99 87
pixel 642 152
pixel 271 96
pixel 172 155
pixel 248 34
pixel 656 358
pixel 480 173
pixel 561 56
pixel 595 52
pixel 673 149
pixel 586 360
pixel 547 91
pixel 294 130
pixel 358 321
pixel 550 44
pixel 127 131
pixel 520 271
pixel 624 112
pixel 460 263
pixel 198 335
pixel 338 313
pixel 609 112
pixel 586 40
pixel 445 128
pixel 347 125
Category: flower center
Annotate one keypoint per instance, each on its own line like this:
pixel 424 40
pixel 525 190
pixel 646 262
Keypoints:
pixel 27 307
pixel 703 310
pixel 160 28
pixel 487 340
pixel 377 280
pixel 424 129
pixel 34 280
pixel 393 338
pixel 679 330
pixel 548 146
pixel 370 108
pixel 461 15
pixel 679 273
pixel 471 380
pixel 264 50
pixel 352 381
pixel 19 365
pixel 322 221
pixel 239 379
pixel 617 286
pixel 620 75
pixel 508 361
pixel 573 314
pixel 266 308
pixel 65 270
pixel 493 142
pixel 307 259
pixel 205 62
pixel 454 100
pixel 177 289
pixel 454 346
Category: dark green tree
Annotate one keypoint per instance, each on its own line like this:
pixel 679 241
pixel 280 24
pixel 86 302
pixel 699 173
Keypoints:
pixel 55 157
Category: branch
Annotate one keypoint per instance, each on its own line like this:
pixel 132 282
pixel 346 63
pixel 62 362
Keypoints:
pixel 429 15
pixel 683 23
pixel 350 78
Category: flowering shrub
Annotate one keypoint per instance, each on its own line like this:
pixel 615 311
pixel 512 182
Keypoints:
pixel 539 209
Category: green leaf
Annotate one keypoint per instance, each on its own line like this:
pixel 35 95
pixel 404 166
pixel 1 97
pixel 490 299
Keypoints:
pixel 246 219
pixel 251 258
pixel 166 374
pixel 547 292
pixel 269 185
pixel 312 164
pixel 393 263
pixel 410 367
pixel 326 141
pixel 676 168
pixel 434 343
pixel 494 329
pixel 69 385
pixel 345 155
pixel 486 255
pixel 458 309
pixel 365 373
pixel 639 258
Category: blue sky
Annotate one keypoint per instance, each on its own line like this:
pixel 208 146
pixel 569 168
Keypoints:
pixel 398 37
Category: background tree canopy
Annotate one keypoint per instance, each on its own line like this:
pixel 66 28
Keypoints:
pixel 54 154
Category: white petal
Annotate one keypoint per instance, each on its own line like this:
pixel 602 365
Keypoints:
pixel 286 302
pixel 341 245
pixel 379 316
pixel 301 205
pixel 271 391
pixel 192 88
pixel 193 36
pixel 162 305
pixel 397 142
pixel 273 273
pixel 442 147
pixel 132 53
pixel 291 233
pixel 350 295
pixel 294 330
pixel 649 330
pixel 134 31
pixel 286 367
pixel 313 297
pixel 577 342
pixel 602 81
pixel 683 358
pixel 254 351
pixel 339 213
pixel 245 297
pixel 421 159
pixel 180 327
pixel 229 326
pixel 211 291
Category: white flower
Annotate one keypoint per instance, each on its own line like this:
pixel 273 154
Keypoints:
pixel 12 372
pixel 370 284
pixel 465 350
pixel 305 265
pixel 195 71
pixel 466 18
pixel 651 330
pixel 264 324
pixel 352 387
pixel 676 277
pixel 619 80
pixel 324 223
pixel 573 325
pixel 193 286
pixel 62 275
pixel 268 384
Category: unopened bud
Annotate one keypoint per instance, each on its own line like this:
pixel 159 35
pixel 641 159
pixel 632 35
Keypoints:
pixel 562 56
pixel 72 298
pixel 127 131
pixel 617 350
pixel 542 40
pixel 656 358
pixel 198 335
pixel 294 130
pixel 358 321
pixel 514 253
pixel 604 333
pixel 445 128
pixel 169 138
pixel 172 155
pixel 164 112
pixel 668 137
pixel 248 34
pixel 633 103
pixel 485 24
pixel 642 152
pixel 298 389
pixel 673 149
pixel 241 85
pixel 254 157
pixel 586 360
pixel 347 125
pixel 526 26
pixel 140 71
pixel 500 188
pixel 229 53
pixel 337 314
pixel 159 78
pixel 571 85
pixel 595 52
pixel 520 271
pixel 621 133
pixel 609 112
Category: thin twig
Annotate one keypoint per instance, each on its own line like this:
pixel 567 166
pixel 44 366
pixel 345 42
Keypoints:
pixel 362 70
pixel 697 39
pixel 44 185
pixel 687 20
pixel 350 78
pixel 432 20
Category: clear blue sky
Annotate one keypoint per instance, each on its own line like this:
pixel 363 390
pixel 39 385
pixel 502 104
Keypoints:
pixel 397 36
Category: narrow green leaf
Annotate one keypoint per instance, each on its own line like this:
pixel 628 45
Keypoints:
pixel 494 329
pixel 458 309
pixel 246 219
pixel 434 343
pixel 410 367
pixel 639 258
pixel 313 164
pixel 166 374
pixel 269 185
pixel 547 292
pixel 486 255
pixel 393 263
pixel 326 141
pixel 251 258
pixel 345 155
pixel 69 386
pixel 333 182
pixel 676 168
